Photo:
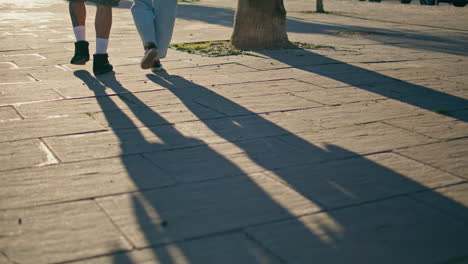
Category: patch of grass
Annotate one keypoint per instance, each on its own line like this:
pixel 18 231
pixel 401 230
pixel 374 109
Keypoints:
pixel 303 45
pixel 357 33
pixel 315 12
pixel 218 48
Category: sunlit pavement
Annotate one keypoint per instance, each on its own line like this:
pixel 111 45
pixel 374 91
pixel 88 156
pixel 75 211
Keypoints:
pixel 355 152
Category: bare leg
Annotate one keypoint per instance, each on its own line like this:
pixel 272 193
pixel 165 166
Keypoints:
pixel 77 10
pixel 77 13
pixel 103 22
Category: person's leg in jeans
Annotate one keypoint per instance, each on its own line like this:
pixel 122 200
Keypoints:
pixel 143 16
pixel 165 15
pixel 154 20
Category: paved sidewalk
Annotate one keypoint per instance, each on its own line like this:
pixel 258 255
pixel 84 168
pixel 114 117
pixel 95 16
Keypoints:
pixel 355 153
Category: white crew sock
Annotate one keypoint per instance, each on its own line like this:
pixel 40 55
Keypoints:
pixel 80 33
pixel 101 45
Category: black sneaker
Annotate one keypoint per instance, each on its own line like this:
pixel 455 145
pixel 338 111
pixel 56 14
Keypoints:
pixel 101 64
pixel 156 67
pixel 151 52
pixel 81 53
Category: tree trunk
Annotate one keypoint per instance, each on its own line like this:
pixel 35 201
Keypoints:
pixel 319 6
pixel 260 24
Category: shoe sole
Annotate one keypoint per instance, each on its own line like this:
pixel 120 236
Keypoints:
pixel 103 71
pixel 147 60
pixel 83 61
pixel 155 70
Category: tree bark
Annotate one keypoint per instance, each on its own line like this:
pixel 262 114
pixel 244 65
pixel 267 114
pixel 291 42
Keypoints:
pixel 319 6
pixel 260 24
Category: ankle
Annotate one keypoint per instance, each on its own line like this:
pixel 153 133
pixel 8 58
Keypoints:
pixel 101 45
pixel 149 45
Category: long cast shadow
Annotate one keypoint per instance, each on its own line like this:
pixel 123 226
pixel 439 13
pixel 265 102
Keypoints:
pixel 333 184
pixel 389 87
pixel 221 207
pixel 154 231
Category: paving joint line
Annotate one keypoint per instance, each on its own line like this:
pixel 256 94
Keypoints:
pixel 58 135
pixel 262 81
pixel 118 252
pixel 440 208
pixel 384 121
pixel 427 164
pixel 9 260
pixel 117 227
pixel 264 247
pixel 176 184
pixel 56 157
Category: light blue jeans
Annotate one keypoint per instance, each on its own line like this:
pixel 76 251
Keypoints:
pixel 154 20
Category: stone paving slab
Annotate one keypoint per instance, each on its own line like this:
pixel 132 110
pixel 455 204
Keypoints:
pixel 3 259
pixel 34 59
pixel 8 114
pixel 14 76
pixel 410 65
pixel 432 125
pixel 462 79
pixel 63 107
pixel 91 105
pixel 357 113
pixel 201 70
pixel 229 249
pixel 350 79
pixel 189 211
pixel 123 86
pixel 45 73
pixel 25 153
pixel 340 96
pixel 267 75
pixel 362 139
pixel 364 234
pixel 107 144
pixel 12 95
pixel 268 103
pixel 230 159
pixel 129 141
pixel 6 65
pixel 448 156
pixel 45 127
pixel 154 116
pixel 272 87
pixel 362 179
pixel 452 199
pixel 411 92
pixel 209 161
pixel 231 129
pixel 285 59
pixel 58 233
pixel 76 181
pixel 440 85
pixel 421 73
